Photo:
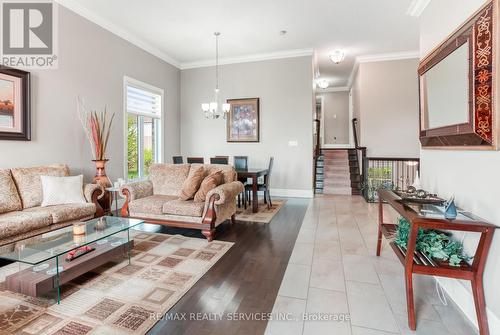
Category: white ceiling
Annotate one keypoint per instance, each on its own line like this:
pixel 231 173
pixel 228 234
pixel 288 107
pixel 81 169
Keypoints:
pixel 181 31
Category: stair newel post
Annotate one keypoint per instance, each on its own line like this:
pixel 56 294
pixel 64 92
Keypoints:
pixel 364 176
pixel 355 132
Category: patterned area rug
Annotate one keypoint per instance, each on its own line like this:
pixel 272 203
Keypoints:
pixel 117 298
pixel 264 215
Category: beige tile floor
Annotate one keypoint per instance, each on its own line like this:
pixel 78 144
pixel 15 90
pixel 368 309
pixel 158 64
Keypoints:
pixel 333 270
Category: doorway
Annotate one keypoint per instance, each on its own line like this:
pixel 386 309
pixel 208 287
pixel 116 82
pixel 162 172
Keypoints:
pixel 336 115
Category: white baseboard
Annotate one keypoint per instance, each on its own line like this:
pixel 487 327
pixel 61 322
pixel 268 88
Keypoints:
pixel 464 300
pixel 289 193
pixel 337 146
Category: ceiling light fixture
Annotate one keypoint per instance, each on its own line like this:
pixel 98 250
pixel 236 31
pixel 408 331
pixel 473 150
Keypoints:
pixel 417 7
pixel 283 32
pixel 323 84
pixel 212 109
pixel 337 56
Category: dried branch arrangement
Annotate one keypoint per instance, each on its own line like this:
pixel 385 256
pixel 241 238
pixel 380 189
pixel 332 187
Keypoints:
pixel 97 127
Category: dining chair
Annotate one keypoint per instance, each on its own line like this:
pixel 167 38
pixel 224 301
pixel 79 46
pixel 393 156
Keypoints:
pixel 192 160
pixel 219 160
pixel 177 159
pixel 241 163
pixel 264 186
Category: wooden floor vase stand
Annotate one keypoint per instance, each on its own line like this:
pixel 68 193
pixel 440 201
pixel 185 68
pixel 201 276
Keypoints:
pixel 472 272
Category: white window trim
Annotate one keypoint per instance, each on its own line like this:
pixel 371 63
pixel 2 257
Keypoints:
pixel 140 84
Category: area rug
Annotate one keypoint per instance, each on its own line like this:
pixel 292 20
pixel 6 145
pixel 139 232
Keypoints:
pixel 117 298
pixel 263 215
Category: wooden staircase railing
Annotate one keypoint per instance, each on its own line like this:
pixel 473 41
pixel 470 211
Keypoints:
pixel 317 146
pixel 317 149
pixel 388 172
pixel 360 151
pixel 355 132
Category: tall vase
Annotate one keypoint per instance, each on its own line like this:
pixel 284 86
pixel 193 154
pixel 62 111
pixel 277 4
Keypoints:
pixel 102 179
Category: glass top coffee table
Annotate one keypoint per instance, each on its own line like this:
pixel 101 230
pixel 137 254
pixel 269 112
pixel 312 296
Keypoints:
pixel 48 255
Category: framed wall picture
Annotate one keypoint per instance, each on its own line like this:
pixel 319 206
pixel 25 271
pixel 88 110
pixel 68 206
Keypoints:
pixel 15 112
pixel 243 120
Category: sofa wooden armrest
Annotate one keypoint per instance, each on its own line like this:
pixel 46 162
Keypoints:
pixel 133 191
pixel 92 193
pixel 210 217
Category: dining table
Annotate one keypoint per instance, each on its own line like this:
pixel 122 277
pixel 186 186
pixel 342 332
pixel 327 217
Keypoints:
pixel 253 174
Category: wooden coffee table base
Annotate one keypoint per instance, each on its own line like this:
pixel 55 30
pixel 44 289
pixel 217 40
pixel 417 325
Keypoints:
pixel 36 284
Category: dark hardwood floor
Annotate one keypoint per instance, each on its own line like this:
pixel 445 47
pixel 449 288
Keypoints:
pixel 245 280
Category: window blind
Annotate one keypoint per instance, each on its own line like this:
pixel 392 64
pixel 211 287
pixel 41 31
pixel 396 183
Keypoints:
pixel 143 102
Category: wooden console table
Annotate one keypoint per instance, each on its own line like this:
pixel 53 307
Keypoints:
pixel 421 216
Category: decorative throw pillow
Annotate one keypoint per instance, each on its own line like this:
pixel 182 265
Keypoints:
pixel 9 198
pixel 210 182
pixel 29 184
pixel 192 182
pixel 62 190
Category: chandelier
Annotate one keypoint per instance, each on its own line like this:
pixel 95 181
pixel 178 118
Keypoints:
pixel 213 109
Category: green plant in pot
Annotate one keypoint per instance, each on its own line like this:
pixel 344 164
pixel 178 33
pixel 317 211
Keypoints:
pixel 433 243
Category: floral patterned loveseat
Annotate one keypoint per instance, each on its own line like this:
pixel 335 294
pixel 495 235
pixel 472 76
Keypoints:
pixel 21 214
pixel 157 199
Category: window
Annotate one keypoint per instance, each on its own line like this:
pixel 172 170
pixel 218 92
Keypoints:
pixel 143 127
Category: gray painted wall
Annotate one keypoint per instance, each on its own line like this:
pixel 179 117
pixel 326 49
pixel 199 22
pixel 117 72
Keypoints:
pixel 92 63
pixel 336 117
pixel 471 176
pixel 284 87
pixel 385 99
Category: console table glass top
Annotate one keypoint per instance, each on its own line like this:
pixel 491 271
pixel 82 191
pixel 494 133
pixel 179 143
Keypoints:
pixel 437 212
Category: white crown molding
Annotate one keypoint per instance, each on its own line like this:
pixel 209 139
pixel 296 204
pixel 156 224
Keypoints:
pixel 380 58
pixel 316 72
pixel 388 56
pixel 417 7
pixel 250 58
pixel 333 89
pixel 100 21
pixel 355 68
pixel 95 18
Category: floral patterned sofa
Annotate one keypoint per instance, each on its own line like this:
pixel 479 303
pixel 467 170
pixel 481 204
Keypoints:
pixel 157 199
pixel 21 214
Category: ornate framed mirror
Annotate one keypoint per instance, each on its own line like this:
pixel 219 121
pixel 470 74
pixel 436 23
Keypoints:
pixel 458 86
